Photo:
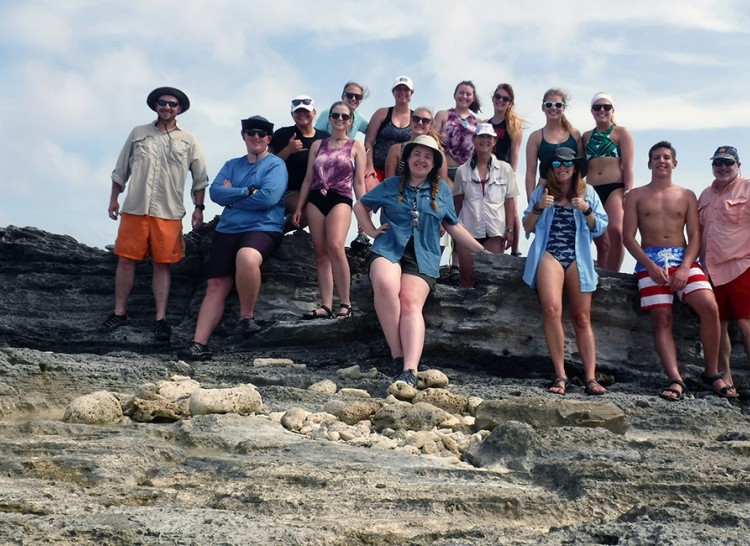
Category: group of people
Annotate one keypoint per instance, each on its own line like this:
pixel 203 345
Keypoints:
pixel 429 177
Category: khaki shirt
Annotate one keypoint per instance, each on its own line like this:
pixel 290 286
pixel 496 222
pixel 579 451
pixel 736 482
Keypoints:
pixel 156 166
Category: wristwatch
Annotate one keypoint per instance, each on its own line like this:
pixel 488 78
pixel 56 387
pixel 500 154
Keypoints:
pixel 200 206
pixel 509 230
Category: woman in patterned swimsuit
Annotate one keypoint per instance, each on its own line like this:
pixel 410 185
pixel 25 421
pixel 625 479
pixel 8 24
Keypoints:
pixel 336 166
pixel 609 151
pixel 565 214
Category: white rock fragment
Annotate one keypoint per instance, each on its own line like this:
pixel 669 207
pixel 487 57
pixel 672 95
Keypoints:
pixel 354 372
pixel 179 386
pixel 97 408
pixel 324 387
pixel 354 393
pixel 402 391
pixel 294 418
pixel 243 399
pixel 273 362
pixel 431 379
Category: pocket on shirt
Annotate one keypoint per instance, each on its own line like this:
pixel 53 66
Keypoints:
pixel 736 209
pixel 179 150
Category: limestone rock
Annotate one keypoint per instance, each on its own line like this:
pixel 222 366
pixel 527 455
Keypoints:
pixel 97 408
pixel 324 387
pixel 146 411
pixel 421 416
pixel 243 399
pixel 273 362
pixel 294 418
pixel 178 386
pixel 355 372
pixel 444 399
pixel 353 412
pixel 510 444
pixel 353 393
pixel 402 391
pixel 431 379
pixel 545 412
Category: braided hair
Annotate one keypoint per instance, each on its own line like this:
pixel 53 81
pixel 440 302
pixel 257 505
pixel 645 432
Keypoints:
pixel 434 179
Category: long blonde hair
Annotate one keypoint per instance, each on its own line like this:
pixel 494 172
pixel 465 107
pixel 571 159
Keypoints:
pixel 513 122
pixel 565 98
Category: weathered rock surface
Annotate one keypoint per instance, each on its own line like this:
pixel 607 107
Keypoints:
pixel 313 466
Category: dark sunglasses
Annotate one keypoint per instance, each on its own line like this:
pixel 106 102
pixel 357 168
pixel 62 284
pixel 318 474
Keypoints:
pixel 259 132
pixel 172 103
pixel 418 119
pixel 498 96
pixel 353 96
pixel 556 164
pixel 297 102
pixel 723 162
pixel 336 115
pixel 553 104
pixel 605 107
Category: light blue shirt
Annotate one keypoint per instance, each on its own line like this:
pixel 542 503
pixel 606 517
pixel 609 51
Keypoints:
pixel 583 240
pixel 263 209
pixel 391 243
pixel 359 124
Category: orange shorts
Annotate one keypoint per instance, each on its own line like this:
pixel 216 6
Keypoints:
pixel 143 236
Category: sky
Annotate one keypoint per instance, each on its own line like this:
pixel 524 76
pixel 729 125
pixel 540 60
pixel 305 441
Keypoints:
pixel 74 77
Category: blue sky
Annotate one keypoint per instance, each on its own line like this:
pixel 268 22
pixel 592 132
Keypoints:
pixel 74 77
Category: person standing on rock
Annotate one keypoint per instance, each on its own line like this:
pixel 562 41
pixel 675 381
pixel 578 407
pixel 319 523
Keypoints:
pixel 667 265
pixel 724 213
pixel 251 189
pixel 565 215
pixel 404 261
pixel 154 161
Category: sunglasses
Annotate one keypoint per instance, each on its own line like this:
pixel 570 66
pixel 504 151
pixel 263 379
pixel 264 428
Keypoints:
pixel 256 132
pixel 549 105
pixel 353 96
pixel 605 107
pixel 557 164
pixel 297 102
pixel 414 218
pixel 423 121
pixel 172 103
pixel 504 98
pixel 723 162
pixel 336 115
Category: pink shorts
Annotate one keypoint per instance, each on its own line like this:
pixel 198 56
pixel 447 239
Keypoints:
pixel 734 298
pixel 660 295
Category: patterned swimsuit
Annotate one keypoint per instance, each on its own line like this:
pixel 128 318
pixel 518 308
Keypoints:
pixel 562 236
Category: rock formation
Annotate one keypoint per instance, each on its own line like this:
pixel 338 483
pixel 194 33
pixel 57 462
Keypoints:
pixel 295 436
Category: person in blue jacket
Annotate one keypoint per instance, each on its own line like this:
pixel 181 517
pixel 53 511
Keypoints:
pixel 251 190
pixel 565 215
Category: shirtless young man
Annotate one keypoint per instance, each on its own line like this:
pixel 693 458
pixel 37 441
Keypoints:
pixel 662 212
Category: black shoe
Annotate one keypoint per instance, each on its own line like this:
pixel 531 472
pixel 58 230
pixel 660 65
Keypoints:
pixel 162 330
pixel 195 351
pixel 362 242
pixel 397 365
pixel 113 321
pixel 408 377
pixel 248 326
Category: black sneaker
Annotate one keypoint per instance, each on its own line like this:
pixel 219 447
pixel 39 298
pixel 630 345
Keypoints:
pixel 408 377
pixel 248 326
pixel 397 365
pixel 195 351
pixel 113 321
pixel 162 330
pixel 362 242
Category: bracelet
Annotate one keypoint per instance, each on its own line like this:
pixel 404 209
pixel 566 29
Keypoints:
pixel 509 230
pixel 200 206
pixel 588 212
pixel 536 210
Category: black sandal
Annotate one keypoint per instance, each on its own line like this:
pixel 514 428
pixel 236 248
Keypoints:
pixel 346 314
pixel 559 382
pixel 709 381
pixel 668 388
pixel 313 314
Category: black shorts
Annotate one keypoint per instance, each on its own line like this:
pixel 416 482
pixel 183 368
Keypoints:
pixel 325 203
pixel 408 263
pixel 224 248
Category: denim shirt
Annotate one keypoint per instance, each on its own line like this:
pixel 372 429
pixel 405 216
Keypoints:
pixel 584 238
pixel 391 243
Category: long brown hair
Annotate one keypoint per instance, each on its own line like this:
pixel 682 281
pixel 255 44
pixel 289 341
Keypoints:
pixel 577 185
pixel 433 177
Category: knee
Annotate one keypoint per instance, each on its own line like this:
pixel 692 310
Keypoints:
pixel 614 234
pixel 661 322
pixel 552 312
pixel 581 320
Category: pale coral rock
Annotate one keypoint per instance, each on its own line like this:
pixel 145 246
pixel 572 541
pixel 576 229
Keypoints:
pixel 402 391
pixel 97 408
pixel 324 387
pixel 244 399
pixel 355 372
pixel 178 386
pixel 432 379
pixel 354 393
pixel 444 399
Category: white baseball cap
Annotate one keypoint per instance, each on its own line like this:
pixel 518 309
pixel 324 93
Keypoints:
pixel 403 80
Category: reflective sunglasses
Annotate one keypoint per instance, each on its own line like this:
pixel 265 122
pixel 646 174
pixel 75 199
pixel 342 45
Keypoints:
pixel 549 105
pixel 256 132
pixel 498 96
pixel 723 162
pixel 353 96
pixel 556 164
pixel 172 103
pixel 417 119
pixel 297 102
pixel 336 115
pixel 414 218
pixel 605 107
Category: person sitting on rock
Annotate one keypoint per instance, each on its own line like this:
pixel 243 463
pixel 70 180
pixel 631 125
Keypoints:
pixel 404 261
pixel 251 190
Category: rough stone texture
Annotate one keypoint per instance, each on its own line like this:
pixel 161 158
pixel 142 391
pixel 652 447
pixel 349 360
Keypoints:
pixel 97 408
pixel 243 399
pixel 420 416
pixel 677 476
pixel 443 399
pixel 543 412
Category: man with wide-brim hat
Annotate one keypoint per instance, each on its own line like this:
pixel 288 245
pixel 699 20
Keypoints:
pixel 154 163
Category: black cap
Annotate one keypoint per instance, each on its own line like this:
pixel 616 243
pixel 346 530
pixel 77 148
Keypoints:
pixel 726 152
pixel 181 97
pixel 257 122
pixel 562 154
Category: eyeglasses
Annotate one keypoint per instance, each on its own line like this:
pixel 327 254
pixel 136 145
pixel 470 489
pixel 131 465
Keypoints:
pixel 297 102
pixel 414 218
pixel 172 103
pixel 723 162
pixel 353 96
pixel 504 98
pixel 256 132
pixel 336 115
pixel 418 119
pixel 556 164
pixel 605 107
pixel 549 105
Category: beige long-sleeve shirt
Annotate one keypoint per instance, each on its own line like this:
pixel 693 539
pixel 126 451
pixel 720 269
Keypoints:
pixel 155 165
